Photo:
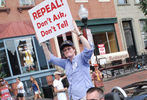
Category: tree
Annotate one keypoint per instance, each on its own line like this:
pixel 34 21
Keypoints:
pixel 143 6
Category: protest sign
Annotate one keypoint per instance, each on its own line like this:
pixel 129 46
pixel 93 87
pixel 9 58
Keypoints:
pixel 51 18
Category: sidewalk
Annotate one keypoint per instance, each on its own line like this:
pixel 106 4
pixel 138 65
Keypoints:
pixel 125 80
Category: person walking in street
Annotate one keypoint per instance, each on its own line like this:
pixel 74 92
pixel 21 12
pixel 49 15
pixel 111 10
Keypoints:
pixel 95 93
pixel 20 90
pixel 35 88
pixel 58 87
pixel 97 77
pixel 4 90
pixel 77 67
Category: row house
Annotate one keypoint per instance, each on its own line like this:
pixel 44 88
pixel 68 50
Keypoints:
pixel 132 22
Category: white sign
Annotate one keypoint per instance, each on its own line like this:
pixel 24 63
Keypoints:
pixel 103 61
pixel 51 18
pixel 81 0
pixel 101 49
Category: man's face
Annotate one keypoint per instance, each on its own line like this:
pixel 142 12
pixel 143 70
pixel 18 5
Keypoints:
pixel 69 52
pixel 93 96
pixel 96 68
pixel 57 76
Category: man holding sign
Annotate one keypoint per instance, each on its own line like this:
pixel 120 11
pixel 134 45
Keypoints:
pixel 76 66
pixel 52 18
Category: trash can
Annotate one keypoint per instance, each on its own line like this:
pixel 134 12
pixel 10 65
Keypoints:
pixel 48 91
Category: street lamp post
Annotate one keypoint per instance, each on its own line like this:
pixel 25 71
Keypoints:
pixel 83 14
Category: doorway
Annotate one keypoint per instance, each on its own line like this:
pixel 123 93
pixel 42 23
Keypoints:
pixel 129 37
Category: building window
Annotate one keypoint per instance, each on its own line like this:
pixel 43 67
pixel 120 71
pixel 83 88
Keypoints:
pixel 12 54
pixel 137 1
pixel 122 2
pixel 4 68
pixel 26 2
pixel 81 0
pixel 104 0
pixel 27 55
pixel 41 56
pixel 2 3
pixel 143 25
pixel 109 41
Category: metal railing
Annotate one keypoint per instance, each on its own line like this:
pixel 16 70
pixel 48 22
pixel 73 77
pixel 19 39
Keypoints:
pixel 117 69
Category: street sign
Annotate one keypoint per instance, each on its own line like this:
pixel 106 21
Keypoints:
pixel 101 48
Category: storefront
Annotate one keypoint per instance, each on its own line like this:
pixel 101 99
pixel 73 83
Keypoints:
pixel 103 31
pixel 24 57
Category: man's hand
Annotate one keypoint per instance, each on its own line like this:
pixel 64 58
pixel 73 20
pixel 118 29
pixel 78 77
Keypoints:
pixel 65 89
pixel 76 29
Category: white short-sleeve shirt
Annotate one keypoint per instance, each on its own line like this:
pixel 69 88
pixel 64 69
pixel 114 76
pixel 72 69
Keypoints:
pixel 58 84
pixel 20 84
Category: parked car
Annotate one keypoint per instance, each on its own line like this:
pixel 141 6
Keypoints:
pixel 134 91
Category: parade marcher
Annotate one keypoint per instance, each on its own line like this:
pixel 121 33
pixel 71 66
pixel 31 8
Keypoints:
pixel 20 90
pixel 97 77
pixel 58 87
pixel 35 88
pixel 77 67
pixel 4 90
pixel 95 93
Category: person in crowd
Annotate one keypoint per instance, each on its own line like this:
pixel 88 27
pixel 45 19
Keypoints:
pixel 4 90
pixel 20 90
pixel 77 67
pixel 97 77
pixel 35 88
pixel 58 87
pixel 95 93
pixel 64 80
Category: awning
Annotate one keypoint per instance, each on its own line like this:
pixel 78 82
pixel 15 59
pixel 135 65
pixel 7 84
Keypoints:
pixel 14 29
pixel 95 22
pixel 99 25
pixel 108 58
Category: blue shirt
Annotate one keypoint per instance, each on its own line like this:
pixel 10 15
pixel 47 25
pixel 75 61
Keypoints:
pixel 77 72
pixel 34 87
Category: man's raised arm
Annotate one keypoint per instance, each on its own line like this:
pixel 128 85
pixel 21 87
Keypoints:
pixel 82 38
pixel 46 51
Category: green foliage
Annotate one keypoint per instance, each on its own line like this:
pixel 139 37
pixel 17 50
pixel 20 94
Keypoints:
pixel 143 6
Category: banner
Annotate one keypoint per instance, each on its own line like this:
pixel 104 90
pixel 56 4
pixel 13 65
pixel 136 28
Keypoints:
pixel 51 18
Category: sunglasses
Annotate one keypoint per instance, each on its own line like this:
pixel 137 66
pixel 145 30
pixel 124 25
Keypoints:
pixel 64 50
